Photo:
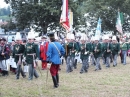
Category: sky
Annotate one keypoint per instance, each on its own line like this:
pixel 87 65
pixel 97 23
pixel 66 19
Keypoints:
pixel 3 4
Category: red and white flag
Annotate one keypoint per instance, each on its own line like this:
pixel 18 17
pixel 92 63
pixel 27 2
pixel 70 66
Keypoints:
pixel 64 20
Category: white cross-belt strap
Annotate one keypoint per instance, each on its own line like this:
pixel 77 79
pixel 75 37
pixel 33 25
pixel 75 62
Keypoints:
pixel 57 49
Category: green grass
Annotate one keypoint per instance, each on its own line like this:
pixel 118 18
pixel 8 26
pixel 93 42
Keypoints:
pixel 112 82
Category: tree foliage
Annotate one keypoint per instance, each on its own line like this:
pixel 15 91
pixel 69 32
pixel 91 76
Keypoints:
pixel 44 14
pixel 9 26
pixel 5 11
pixel 107 10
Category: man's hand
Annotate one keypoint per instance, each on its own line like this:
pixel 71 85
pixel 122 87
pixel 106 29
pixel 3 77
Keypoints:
pixel 108 51
pixel 3 54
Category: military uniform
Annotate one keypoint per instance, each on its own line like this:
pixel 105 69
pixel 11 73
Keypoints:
pixel 115 52
pixel 107 50
pixel 18 51
pixel 4 59
pixel 97 52
pixel 54 52
pixel 85 51
pixel 43 50
pixel 124 48
pixel 72 48
pixel 92 56
pixel 31 53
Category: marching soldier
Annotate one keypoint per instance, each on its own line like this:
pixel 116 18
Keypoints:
pixel 77 55
pixel 18 51
pixel 102 44
pixel 85 51
pixel 55 51
pixel 97 51
pixel 43 51
pixel 107 50
pixel 31 54
pixel 124 48
pixel 92 47
pixel 72 48
pixel 115 50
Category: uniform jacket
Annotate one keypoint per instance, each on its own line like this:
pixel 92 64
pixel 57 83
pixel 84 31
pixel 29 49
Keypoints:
pixel 115 48
pixel 18 49
pixel 5 49
pixel 98 48
pixel 31 48
pixel 84 49
pixel 52 53
pixel 72 47
pixel 43 51
pixel 107 46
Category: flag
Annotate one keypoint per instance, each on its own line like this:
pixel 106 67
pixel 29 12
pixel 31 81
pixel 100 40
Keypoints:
pixel 64 20
pixel 98 29
pixel 71 20
pixel 119 22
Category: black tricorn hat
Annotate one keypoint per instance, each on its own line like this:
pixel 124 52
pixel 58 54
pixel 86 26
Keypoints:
pixel 50 34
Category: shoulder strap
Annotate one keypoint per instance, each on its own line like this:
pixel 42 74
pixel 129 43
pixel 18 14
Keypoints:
pixel 57 48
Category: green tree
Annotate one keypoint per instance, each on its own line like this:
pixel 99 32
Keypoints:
pixel 107 10
pixel 44 14
pixel 5 11
pixel 9 26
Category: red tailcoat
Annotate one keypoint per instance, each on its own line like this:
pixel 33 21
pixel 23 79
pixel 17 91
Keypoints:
pixel 43 51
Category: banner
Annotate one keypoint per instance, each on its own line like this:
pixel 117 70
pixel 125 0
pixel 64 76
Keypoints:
pixel 98 29
pixel 64 20
pixel 119 23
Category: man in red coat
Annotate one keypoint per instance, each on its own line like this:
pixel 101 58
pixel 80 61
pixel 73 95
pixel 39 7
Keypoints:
pixel 43 50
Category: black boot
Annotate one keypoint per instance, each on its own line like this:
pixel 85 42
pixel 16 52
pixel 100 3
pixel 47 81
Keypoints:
pixel 57 77
pixel 75 64
pixel 55 81
pixel 62 61
pixel 6 73
pixel 3 73
pixel 17 72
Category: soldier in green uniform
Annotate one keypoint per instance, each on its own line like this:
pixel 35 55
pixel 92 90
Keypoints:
pixel 91 50
pixel 97 51
pixel 124 48
pixel 107 50
pixel 102 45
pixel 85 51
pixel 72 48
pixel 18 51
pixel 31 54
pixel 115 50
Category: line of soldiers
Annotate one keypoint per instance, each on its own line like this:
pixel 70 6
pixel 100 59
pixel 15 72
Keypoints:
pixel 28 53
pixel 108 50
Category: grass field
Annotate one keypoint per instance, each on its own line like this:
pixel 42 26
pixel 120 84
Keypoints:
pixel 112 82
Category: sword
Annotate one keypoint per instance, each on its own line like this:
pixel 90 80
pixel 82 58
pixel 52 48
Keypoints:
pixel 36 64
